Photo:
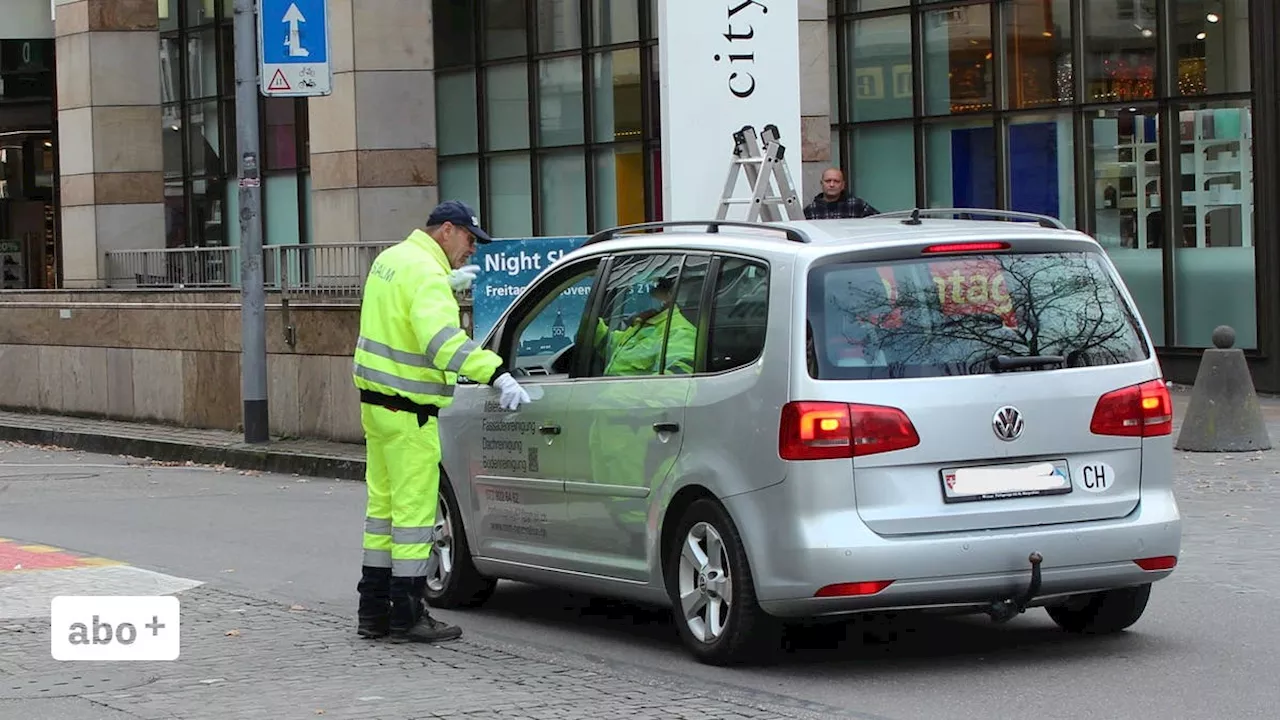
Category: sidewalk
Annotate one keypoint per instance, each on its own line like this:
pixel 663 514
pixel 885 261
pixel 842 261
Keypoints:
pixel 161 443
pixel 312 458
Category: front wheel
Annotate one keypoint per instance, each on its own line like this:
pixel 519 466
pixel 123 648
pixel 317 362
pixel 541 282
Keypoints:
pixel 1102 613
pixel 712 593
pixel 453 581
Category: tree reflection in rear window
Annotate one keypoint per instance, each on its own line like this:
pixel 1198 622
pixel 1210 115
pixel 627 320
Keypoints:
pixel 953 315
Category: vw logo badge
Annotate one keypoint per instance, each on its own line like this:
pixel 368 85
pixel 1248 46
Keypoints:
pixel 1007 423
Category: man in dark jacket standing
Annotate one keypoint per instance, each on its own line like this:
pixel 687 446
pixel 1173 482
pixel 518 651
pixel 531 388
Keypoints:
pixel 835 202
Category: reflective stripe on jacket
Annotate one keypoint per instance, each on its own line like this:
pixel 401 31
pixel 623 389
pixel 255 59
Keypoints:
pixel 637 350
pixel 411 341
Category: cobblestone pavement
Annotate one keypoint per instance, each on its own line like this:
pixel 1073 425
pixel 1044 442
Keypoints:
pixel 247 658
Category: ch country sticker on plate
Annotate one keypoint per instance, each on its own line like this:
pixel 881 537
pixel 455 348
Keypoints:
pixel 1006 481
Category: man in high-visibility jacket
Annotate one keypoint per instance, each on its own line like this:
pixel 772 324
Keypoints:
pixel 408 357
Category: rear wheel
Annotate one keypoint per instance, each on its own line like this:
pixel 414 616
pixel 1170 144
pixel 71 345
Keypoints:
pixel 712 592
pixel 453 581
pixel 1102 613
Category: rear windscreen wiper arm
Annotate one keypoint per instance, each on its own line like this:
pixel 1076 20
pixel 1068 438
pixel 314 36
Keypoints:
pixel 1011 362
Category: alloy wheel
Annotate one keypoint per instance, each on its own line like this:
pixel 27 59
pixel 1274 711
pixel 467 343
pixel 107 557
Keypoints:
pixel 441 566
pixel 706 583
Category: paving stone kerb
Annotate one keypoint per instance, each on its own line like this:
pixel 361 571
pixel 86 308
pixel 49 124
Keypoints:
pixel 342 461
pixel 245 657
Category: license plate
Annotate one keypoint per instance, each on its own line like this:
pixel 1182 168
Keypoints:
pixel 969 484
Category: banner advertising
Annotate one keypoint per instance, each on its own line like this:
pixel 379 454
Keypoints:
pixel 723 64
pixel 507 266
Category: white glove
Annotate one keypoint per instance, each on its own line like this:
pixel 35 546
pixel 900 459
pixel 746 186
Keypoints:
pixel 462 278
pixel 512 394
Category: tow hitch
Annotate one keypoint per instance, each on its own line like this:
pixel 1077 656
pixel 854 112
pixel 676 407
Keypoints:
pixel 1006 610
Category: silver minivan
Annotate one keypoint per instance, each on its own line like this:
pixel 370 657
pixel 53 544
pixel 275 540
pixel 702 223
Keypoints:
pixel 751 423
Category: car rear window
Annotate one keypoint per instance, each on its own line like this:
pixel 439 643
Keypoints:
pixel 954 315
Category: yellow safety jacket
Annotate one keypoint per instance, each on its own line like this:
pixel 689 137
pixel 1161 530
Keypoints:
pixel 637 349
pixel 411 341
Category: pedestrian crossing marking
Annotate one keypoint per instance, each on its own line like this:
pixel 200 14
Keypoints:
pixel 21 557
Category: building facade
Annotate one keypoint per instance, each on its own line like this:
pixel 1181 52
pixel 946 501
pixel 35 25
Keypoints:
pixel 1151 125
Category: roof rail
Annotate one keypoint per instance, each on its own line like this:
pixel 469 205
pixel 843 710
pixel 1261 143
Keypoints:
pixel 712 226
pixel 913 215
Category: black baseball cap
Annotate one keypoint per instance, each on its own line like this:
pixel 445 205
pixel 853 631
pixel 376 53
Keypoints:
pixel 460 214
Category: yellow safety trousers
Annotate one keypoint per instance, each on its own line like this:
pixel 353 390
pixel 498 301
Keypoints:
pixel 402 480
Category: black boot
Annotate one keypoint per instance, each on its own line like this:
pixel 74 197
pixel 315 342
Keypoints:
pixel 410 621
pixel 375 602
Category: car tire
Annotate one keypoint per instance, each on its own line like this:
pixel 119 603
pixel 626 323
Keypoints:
pixel 454 582
pixel 1102 613
pixel 747 633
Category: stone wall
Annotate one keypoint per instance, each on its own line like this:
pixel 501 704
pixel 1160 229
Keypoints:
pixel 174 358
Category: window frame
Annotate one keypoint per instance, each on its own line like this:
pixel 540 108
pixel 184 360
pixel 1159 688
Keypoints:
pixel 708 307
pixel 506 334
pixel 581 372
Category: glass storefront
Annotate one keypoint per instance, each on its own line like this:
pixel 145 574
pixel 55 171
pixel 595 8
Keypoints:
pixel 547 112
pixel 1131 120
pixel 197 74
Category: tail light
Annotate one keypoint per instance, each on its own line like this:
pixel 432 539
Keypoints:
pixel 825 431
pixel 1144 410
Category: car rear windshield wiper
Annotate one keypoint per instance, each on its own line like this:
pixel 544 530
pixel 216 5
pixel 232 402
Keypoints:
pixel 1018 362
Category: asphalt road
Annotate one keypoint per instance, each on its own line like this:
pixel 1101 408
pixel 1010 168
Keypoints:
pixel 1207 647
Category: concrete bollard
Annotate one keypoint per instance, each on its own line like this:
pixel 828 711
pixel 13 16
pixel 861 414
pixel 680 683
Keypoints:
pixel 1224 415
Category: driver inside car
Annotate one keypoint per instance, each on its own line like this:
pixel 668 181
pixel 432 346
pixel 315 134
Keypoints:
pixel 637 348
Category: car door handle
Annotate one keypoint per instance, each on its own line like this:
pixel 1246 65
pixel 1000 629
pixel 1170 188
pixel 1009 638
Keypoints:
pixel 667 427
pixel 549 429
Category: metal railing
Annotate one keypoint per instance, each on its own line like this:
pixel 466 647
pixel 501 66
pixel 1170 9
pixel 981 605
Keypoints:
pixel 321 270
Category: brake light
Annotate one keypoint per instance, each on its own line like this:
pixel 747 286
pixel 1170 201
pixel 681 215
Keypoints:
pixel 1144 410
pixel 965 247
pixel 853 588
pixel 1164 562
pixel 825 431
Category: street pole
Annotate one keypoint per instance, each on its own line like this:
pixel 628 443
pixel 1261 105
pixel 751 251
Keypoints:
pixel 253 300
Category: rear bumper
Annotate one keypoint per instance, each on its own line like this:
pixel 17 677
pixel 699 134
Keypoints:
pixel 792 558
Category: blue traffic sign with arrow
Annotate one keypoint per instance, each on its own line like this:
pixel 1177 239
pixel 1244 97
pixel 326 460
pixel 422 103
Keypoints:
pixel 293 44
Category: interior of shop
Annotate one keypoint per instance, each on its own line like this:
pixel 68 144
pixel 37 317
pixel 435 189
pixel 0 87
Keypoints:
pixel 28 216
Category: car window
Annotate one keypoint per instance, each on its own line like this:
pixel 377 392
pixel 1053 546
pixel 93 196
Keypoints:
pixel 739 310
pixel 547 321
pixel 937 316
pixel 647 323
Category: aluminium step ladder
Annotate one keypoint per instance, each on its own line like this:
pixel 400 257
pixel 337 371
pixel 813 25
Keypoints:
pixel 763 166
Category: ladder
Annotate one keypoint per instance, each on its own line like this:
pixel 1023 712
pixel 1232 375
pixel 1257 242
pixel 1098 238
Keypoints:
pixel 763 166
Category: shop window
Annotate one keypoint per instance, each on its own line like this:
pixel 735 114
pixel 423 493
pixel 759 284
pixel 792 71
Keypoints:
pixel 510 196
pixel 562 183
pixel 878 71
pixel 1120 50
pixel 960 167
pixel 1042 166
pixel 559 25
pixel 1214 258
pixel 1127 205
pixel 616 21
pixel 1038 53
pixel 560 102
pixel 1212 46
pixel 884 162
pixel 505 28
pixel 959 68
pixel 507 106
